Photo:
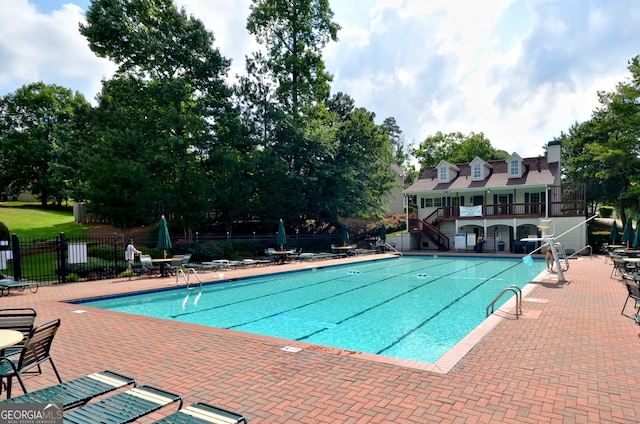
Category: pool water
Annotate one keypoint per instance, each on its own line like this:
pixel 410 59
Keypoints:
pixel 410 307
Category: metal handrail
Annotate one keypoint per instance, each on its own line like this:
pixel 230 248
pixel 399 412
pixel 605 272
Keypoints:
pixel 587 247
pixel 390 247
pixel 180 271
pixel 513 289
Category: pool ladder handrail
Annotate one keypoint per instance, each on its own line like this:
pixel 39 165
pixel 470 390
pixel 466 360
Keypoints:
pixel 587 247
pixel 390 247
pixel 513 289
pixel 180 271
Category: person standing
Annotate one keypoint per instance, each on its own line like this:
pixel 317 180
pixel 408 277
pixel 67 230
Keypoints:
pixel 549 258
pixel 130 253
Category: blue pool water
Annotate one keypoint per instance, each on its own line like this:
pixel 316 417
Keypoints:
pixel 411 307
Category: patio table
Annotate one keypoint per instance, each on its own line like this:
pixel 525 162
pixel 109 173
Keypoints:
pixel 9 338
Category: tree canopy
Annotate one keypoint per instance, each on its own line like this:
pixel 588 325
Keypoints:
pixel 169 135
pixel 38 140
pixel 294 33
pixel 604 152
pixel 456 148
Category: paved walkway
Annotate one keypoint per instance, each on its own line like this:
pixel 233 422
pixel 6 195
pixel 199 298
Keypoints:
pixel 572 358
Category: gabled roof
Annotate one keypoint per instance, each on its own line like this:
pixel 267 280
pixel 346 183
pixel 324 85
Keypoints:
pixel 537 172
pixel 448 165
pixel 482 161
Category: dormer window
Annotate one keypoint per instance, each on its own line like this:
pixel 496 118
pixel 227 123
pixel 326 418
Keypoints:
pixel 477 171
pixel 515 166
pixel 443 174
pixel 446 171
pixel 480 169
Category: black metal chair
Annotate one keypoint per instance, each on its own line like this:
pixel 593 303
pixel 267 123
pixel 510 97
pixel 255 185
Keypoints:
pixel 633 292
pixel 36 351
pixel 18 319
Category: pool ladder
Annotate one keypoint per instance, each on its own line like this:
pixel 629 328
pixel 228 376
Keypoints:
pixel 185 276
pixel 511 289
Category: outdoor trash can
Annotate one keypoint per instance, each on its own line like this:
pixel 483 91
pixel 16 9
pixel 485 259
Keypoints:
pixel 500 246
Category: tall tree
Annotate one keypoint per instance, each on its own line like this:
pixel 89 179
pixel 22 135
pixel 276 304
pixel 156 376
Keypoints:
pixel 39 129
pixel 170 93
pixel 397 140
pixel 294 33
pixel 607 147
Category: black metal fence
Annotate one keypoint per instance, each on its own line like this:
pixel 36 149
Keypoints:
pixel 69 259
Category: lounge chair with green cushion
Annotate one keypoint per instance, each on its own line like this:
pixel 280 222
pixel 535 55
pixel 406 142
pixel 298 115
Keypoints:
pixel 6 285
pixel 124 407
pixel 203 413
pixel 78 391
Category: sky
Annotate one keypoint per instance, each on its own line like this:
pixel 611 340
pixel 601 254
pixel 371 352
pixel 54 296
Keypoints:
pixel 519 71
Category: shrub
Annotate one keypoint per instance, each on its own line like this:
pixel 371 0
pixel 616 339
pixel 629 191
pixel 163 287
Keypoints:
pixel 93 265
pixel 606 211
pixel 103 252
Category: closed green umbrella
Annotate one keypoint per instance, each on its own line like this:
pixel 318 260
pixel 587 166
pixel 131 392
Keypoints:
pixel 627 233
pixel 614 233
pixel 282 236
pixel 636 238
pixel 345 234
pixel 383 233
pixel 164 241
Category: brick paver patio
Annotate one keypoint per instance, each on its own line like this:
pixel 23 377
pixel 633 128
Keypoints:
pixel 572 358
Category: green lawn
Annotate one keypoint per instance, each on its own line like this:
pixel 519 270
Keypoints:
pixel 26 220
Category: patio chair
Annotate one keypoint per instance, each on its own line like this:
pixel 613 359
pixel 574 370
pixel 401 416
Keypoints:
pixel 633 292
pixel 6 285
pixel 203 413
pixel 19 319
pixel 620 267
pixel 145 266
pixel 124 407
pixel 36 350
pixel 76 392
pixel 175 264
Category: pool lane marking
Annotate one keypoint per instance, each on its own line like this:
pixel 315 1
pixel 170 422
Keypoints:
pixel 416 328
pixel 277 293
pixel 275 314
pixel 399 295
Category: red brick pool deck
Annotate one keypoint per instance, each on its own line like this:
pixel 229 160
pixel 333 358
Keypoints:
pixel 572 358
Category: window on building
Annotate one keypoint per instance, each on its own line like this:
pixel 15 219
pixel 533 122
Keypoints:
pixel 534 198
pixel 477 171
pixel 428 202
pixel 514 168
pixel 443 174
pixel 437 202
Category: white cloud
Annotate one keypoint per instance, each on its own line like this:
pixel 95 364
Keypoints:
pixel 520 71
pixel 47 47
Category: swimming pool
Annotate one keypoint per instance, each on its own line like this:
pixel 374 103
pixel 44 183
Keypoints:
pixel 413 308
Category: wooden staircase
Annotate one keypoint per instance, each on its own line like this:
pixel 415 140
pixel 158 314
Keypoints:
pixel 435 235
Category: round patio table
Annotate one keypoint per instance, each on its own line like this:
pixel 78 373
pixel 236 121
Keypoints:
pixel 9 338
